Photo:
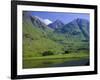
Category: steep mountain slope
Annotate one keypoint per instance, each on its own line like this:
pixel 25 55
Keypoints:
pixel 56 24
pixel 84 27
pixel 78 28
pixel 36 39
pixel 38 22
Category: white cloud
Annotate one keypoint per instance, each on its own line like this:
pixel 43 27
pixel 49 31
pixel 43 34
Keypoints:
pixel 47 21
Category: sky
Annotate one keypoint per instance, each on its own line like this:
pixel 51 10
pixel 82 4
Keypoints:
pixel 63 16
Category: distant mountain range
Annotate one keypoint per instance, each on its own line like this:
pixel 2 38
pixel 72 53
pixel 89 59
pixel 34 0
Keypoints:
pixel 75 27
pixel 56 24
pixel 79 27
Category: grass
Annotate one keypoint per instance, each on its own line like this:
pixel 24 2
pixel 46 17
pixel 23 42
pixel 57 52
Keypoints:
pixel 47 61
pixel 60 56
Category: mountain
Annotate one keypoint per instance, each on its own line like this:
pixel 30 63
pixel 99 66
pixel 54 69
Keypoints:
pixel 84 27
pixel 36 37
pixel 36 21
pixel 56 24
pixel 78 27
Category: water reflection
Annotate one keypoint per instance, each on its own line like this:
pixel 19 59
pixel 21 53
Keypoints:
pixel 37 63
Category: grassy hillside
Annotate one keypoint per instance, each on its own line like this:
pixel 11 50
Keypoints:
pixel 36 41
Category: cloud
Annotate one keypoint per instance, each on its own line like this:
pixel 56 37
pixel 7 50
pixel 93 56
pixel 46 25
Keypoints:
pixel 47 21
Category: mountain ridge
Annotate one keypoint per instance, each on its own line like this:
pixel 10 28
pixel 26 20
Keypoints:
pixel 56 24
pixel 75 27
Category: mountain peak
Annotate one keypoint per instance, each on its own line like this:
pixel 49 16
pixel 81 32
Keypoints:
pixel 80 19
pixel 76 27
pixel 58 21
pixel 38 22
pixel 56 24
